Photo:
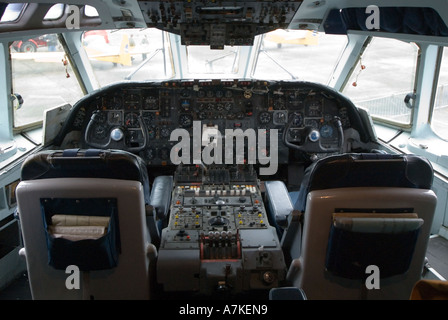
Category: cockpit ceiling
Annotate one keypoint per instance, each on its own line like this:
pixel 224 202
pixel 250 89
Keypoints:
pixel 220 23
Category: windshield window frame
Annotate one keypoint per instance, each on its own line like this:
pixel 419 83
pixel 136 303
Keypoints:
pixel 17 129
pixel 354 67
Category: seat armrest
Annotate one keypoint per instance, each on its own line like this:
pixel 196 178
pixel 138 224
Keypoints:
pixel 280 204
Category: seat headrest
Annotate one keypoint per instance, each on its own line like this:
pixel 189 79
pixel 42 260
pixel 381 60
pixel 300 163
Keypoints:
pixel 91 163
pixel 371 170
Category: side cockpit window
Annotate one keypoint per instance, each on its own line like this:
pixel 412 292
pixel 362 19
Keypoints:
pixel 42 78
pixel 383 77
pixel 439 119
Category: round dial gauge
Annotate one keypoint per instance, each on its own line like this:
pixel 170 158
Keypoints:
pixel 219 94
pixel 202 115
pixel 100 132
pixel 114 103
pixel 164 132
pixel 326 131
pixel 185 120
pixel 148 118
pixel 314 108
pixel 149 154
pixel 298 119
pixel 150 103
pixel 114 117
pixel 164 153
pixel 131 120
pixel 312 123
pixel 264 117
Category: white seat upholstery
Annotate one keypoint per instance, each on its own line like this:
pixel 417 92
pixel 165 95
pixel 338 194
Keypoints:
pixel 309 271
pixel 129 279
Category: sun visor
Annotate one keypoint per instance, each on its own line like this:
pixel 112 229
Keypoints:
pixel 406 20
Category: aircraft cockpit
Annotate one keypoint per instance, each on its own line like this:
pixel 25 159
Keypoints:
pixel 232 149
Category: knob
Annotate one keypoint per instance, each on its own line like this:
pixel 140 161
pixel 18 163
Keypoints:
pixel 314 135
pixel 116 134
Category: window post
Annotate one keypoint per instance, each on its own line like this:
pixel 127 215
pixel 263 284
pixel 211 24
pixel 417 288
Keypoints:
pixel 7 144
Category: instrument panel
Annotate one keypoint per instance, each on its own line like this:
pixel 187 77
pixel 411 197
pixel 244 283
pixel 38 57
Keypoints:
pixel 141 117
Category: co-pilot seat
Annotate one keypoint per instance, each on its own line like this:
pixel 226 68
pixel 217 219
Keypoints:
pixel 358 211
pixel 89 210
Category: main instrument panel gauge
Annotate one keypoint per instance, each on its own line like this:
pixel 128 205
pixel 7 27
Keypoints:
pixel 148 117
pixel 131 120
pixel 149 154
pixel 185 120
pixel 280 117
pixel 132 98
pixel 264 117
pixel 328 117
pixel 230 116
pixel 150 103
pixel 115 117
pixel 114 103
pixel 164 153
pixel 326 131
pixel 312 123
pixel 202 115
pixel 219 94
pixel 279 102
pixel 100 132
pixel 185 104
pixel 298 119
pixel 185 93
pixel 314 108
pixel 164 132
pixel 240 115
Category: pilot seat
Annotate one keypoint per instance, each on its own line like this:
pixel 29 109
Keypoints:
pixel 360 221
pixel 90 224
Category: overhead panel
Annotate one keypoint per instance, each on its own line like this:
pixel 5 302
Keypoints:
pixel 218 23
